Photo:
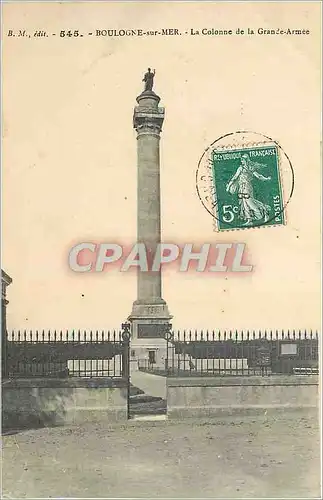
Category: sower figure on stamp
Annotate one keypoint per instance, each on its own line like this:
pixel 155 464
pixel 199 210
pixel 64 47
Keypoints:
pixel 149 80
pixel 241 183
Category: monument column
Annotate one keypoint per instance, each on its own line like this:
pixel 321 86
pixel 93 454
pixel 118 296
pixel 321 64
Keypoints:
pixel 150 312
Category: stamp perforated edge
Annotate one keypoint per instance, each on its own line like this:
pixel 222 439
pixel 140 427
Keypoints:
pixel 249 145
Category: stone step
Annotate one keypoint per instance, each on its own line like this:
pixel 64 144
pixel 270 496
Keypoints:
pixel 149 417
pixel 150 408
pixel 144 398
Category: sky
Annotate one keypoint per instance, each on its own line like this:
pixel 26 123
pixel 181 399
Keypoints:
pixel 69 157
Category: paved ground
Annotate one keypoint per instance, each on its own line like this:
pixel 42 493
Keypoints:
pixel 152 385
pixel 228 458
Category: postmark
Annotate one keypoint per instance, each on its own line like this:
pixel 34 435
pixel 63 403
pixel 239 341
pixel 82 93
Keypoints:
pixel 240 182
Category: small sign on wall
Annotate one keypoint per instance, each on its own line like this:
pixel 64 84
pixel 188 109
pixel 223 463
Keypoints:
pixel 288 349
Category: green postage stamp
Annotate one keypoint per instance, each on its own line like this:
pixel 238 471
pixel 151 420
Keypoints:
pixel 247 187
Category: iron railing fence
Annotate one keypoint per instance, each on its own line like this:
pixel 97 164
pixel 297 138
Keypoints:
pixel 238 353
pixel 105 353
pixel 73 353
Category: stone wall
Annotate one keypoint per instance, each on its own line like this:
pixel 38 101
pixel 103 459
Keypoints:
pixel 214 396
pixel 39 402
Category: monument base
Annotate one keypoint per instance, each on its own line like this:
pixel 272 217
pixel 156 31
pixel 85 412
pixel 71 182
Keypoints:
pixel 155 309
pixel 149 323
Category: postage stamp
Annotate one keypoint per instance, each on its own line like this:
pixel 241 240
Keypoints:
pixel 247 189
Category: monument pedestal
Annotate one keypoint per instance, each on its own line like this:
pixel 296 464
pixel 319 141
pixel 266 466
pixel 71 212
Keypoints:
pixel 149 323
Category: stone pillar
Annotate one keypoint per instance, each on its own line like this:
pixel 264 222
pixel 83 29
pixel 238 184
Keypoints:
pixel 150 312
pixel 5 281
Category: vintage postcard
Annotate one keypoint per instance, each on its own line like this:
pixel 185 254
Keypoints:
pixel 161 249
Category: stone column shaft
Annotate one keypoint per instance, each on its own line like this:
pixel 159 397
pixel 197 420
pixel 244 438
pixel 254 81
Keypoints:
pixel 148 120
pixel 148 221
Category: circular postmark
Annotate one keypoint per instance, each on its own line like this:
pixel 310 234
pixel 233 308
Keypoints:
pixel 245 179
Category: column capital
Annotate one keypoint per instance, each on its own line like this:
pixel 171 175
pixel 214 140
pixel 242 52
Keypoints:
pixel 148 117
pixel 5 281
